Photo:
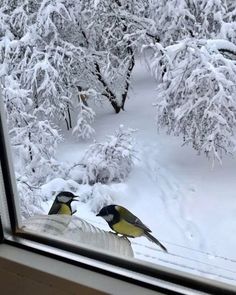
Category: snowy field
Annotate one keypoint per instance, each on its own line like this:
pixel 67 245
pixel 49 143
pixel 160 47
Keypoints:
pixel 189 205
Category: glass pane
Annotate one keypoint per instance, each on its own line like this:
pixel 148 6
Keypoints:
pixel 131 104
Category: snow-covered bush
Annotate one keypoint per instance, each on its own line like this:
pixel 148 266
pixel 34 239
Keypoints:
pixel 111 160
pixel 196 94
pixel 30 199
pixel 100 196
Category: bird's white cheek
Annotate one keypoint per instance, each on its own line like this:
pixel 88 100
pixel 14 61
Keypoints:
pixel 63 199
pixel 108 217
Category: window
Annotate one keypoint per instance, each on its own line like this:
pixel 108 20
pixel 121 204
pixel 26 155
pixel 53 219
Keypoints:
pixel 75 71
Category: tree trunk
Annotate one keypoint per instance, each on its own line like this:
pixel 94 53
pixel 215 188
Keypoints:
pixel 127 84
pixel 67 123
pixel 109 94
pixel 69 116
pixel 30 151
pixel 82 97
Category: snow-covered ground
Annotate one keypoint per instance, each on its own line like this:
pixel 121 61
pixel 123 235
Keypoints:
pixel 189 206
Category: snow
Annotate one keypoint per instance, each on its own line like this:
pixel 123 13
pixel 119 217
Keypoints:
pixel 96 2
pixel 189 205
pixel 221 44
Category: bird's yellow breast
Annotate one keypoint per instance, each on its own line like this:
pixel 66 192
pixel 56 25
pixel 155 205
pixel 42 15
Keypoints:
pixel 128 229
pixel 64 210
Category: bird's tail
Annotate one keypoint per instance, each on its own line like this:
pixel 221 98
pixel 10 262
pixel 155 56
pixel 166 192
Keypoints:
pixel 154 240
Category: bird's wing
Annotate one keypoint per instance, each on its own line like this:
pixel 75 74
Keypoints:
pixel 131 218
pixel 54 208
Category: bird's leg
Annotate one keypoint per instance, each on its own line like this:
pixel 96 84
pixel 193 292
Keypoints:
pixel 121 237
pixel 114 233
pixel 74 212
pixel 126 238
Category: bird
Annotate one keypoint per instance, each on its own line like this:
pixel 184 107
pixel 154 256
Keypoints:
pixel 123 222
pixel 62 204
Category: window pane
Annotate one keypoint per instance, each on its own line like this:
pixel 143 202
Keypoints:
pixel 131 104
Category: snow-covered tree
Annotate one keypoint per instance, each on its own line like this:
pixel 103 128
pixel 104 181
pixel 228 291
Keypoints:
pixel 27 77
pixel 115 31
pixel 53 48
pixel 228 26
pixel 179 19
pixel 174 19
pixel 194 64
pixel 196 92
pixel 210 16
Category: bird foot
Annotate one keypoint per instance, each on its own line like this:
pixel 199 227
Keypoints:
pixel 121 237
pixel 125 238
pixel 73 212
pixel 114 233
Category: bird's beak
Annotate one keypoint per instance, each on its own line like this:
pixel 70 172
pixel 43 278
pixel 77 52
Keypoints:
pixel 75 199
pixel 98 214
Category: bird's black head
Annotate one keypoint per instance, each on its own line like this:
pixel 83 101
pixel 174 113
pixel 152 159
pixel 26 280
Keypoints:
pixel 66 197
pixel 109 213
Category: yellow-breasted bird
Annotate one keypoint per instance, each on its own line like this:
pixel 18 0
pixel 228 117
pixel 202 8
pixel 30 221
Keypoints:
pixel 62 204
pixel 122 221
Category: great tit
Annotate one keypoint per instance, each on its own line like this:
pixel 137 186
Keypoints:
pixel 62 204
pixel 122 221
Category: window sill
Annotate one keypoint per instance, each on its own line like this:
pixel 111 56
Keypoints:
pixel 31 273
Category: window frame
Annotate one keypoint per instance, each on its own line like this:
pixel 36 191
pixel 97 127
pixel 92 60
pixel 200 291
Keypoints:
pixel 162 279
